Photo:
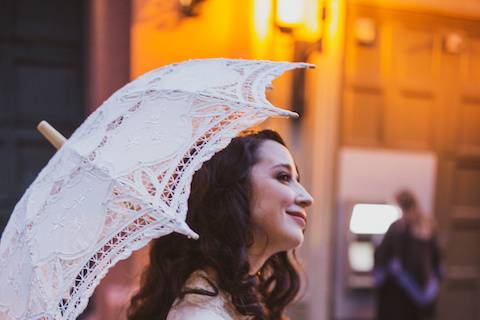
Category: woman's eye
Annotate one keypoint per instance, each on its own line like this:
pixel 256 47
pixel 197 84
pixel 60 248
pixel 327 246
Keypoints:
pixel 284 177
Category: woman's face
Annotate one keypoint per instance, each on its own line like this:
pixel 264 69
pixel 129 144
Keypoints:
pixel 278 201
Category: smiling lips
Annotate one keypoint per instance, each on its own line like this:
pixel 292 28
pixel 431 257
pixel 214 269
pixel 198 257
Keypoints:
pixel 299 217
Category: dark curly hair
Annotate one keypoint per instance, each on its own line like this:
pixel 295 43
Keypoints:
pixel 218 210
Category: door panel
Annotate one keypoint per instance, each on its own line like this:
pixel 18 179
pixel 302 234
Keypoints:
pixel 468 133
pixel 363 113
pixel 459 215
pixel 413 57
pixel 409 120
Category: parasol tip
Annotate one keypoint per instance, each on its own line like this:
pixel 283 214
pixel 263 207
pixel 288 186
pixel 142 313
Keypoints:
pixel 182 227
pixel 294 115
pixel 51 134
pixel 288 113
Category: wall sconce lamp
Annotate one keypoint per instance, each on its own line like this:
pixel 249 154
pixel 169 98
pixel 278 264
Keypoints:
pixel 288 14
pixel 304 20
pixel 189 8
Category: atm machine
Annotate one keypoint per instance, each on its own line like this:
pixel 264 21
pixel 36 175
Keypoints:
pixel 367 224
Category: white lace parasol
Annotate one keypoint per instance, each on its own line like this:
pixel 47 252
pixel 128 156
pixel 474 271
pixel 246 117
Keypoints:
pixel 123 178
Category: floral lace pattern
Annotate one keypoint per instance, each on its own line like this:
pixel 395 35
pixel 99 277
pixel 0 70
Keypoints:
pixel 123 178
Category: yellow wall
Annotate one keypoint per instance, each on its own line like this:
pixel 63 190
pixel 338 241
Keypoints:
pixel 223 28
pixel 160 36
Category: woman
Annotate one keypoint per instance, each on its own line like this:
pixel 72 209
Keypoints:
pixel 248 207
pixel 407 265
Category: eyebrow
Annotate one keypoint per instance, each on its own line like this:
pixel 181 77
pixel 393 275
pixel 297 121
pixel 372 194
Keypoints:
pixel 288 167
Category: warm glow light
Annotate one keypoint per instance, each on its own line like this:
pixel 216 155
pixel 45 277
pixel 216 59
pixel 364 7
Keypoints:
pixel 290 12
pixel 262 18
pixel 303 17
pixel 360 256
pixel 263 27
pixel 373 218
pixel 336 23
pixel 312 24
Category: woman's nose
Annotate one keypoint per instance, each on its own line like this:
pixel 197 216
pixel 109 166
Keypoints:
pixel 304 199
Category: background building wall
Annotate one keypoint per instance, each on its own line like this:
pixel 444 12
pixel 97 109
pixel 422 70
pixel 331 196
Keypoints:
pixel 107 56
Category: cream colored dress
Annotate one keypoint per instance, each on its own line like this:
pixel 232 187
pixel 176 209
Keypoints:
pixel 203 307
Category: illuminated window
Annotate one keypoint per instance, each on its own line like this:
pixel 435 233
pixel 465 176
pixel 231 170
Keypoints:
pixel 360 256
pixel 373 218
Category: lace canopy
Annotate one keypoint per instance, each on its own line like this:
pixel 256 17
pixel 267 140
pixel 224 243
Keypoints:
pixel 123 178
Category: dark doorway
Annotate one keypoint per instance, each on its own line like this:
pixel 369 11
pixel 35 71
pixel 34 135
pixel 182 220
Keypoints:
pixel 41 78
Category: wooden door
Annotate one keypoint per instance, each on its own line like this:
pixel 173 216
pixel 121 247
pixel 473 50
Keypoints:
pixel 415 85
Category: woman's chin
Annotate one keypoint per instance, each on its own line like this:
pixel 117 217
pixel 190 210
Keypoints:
pixel 295 238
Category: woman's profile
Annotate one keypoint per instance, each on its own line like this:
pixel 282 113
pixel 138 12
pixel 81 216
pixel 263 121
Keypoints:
pixel 248 207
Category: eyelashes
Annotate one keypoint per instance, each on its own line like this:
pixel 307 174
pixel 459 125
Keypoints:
pixel 284 177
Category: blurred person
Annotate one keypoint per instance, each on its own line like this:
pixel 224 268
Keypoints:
pixel 408 265
pixel 248 206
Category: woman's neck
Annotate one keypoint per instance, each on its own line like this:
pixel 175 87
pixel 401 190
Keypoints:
pixel 256 263
pixel 257 256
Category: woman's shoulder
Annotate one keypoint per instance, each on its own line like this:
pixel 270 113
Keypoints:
pixel 202 300
pixel 187 311
pixel 397 227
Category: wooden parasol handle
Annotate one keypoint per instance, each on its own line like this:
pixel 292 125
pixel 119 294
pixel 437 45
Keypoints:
pixel 52 135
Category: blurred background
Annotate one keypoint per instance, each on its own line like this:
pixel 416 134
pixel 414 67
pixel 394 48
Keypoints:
pixel 394 103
